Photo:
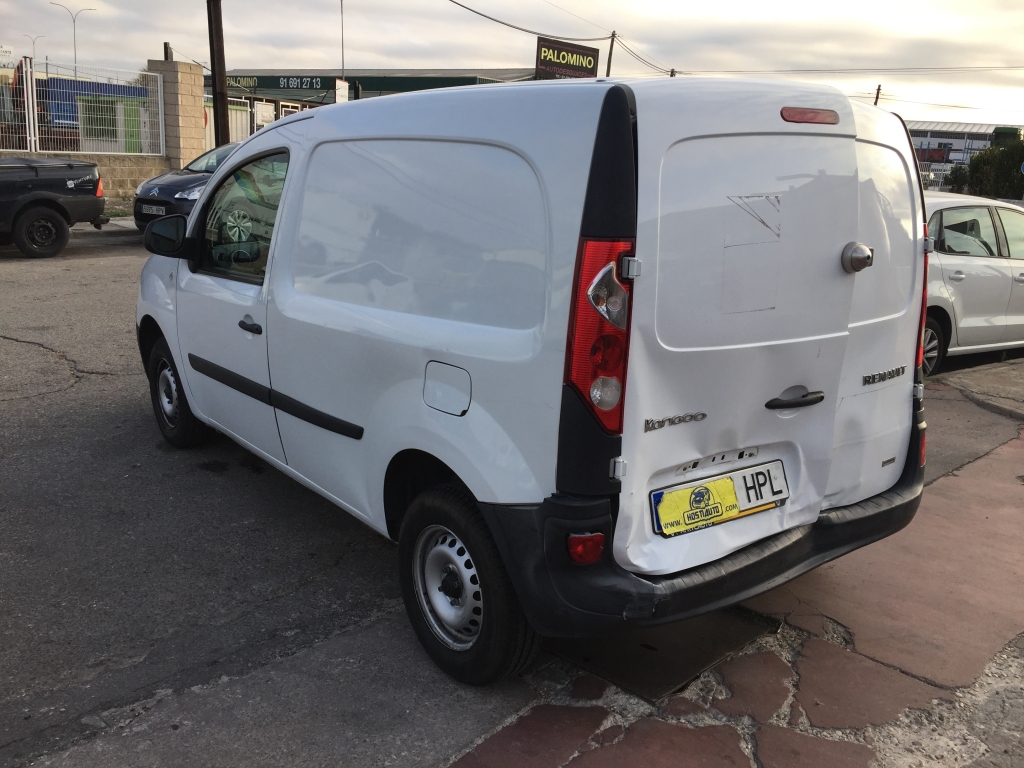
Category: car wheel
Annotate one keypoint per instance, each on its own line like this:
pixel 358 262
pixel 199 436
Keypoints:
pixel 41 232
pixel 935 344
pixel 457 594
pixel 237 226
pixel 177 423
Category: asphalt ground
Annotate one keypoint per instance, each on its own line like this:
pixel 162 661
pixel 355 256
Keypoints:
pixel 163 607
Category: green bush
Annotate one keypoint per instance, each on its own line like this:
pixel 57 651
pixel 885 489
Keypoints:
pixel 958 179
pixel 996 172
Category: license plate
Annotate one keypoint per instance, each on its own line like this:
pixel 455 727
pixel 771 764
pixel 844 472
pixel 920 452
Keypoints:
pixel 159 210
pixel 716 500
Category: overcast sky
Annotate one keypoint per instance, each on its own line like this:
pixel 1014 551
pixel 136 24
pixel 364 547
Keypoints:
pixel 690 36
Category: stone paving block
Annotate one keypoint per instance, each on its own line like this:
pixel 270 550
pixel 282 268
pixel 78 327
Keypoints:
pixel 757 685
pixel 680 706
pixel 786 748
pixel 588 687
pixel 656 744
pixel 917 601
pixel 547 735
pixel 842 689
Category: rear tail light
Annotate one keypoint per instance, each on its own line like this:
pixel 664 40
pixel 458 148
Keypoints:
pixel 598 346
pixel 805 115
pixel 586 548
pixel 99 187
pixel 924 308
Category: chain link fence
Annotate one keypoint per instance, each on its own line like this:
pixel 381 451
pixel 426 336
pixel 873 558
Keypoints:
pixel 81 109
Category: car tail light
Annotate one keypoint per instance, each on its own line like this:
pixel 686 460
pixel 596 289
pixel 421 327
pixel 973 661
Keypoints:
pixel 99 187
pixel 924 308
pixel 598 346
pixel 924 435
pixel 586 548
pixel 805 115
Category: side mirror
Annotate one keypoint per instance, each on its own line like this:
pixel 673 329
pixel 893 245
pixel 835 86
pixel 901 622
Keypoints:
pixel 166 236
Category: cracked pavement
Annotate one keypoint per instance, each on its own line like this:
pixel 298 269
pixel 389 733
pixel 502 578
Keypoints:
pixel 165 607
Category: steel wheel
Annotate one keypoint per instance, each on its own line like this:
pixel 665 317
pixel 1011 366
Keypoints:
pixel 41 233
pixel 238 226
pixel 167 389
pixel 447 587
pixel 932 349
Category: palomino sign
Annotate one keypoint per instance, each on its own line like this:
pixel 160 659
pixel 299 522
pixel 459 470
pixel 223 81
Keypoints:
pixel 557 60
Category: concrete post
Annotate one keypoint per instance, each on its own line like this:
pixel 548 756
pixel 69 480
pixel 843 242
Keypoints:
pixel 184 129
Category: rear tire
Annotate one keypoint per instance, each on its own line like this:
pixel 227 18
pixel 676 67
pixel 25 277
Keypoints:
pixel 457 594
pixel 935 345
pixel 177 423
pixel 41 232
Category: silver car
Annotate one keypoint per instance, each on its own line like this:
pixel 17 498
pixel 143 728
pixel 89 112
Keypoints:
pixel 975 277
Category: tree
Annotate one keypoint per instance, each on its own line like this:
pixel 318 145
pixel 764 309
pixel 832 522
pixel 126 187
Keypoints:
pixel 996 171
pixel 958 179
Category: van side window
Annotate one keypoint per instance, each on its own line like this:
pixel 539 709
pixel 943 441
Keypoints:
pixel 240 220
pixel 968 231
pixel 442 229
pixel 935 229
pixel 1013 226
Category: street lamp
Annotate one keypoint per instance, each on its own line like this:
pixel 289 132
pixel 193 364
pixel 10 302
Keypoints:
pixel 33 39
pixel 74 29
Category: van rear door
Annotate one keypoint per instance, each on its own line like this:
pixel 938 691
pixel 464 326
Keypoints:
pixel 740 317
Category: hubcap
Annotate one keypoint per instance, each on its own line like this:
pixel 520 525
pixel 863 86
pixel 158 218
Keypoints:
pixel 238 225
pixel 448 587
pixel 167 394
pixel 41 233
pixel 931 350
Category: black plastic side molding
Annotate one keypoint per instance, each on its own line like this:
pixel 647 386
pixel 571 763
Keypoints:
pixel 585 451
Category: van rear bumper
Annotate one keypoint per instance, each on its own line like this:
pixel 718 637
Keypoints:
pixel 562 599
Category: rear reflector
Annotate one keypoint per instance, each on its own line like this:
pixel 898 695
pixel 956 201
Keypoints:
pixel 586 548
pixel 598 346
pixel 923 446
pixel 806 115
pixel 99 187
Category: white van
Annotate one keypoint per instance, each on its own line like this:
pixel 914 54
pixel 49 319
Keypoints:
pixel 595 353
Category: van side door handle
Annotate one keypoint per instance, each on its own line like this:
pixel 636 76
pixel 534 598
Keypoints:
pixel 957 276
pixel 811 398
pixel 1019 278
pixel 255 328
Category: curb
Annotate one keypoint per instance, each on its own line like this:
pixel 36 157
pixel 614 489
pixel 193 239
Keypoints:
pixel 989 405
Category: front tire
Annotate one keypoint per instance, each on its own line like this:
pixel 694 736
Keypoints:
pixel 457 594
pixel 41 232
pixel 177 423
pixel 935 345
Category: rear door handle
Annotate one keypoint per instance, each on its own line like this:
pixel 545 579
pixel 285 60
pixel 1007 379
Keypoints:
pixel 255 328
pixel 957 276
pixel 811 398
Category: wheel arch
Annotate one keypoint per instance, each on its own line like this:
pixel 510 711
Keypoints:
pixel 942 317
pixel 411 472
pixel 149 333
pixel 41 202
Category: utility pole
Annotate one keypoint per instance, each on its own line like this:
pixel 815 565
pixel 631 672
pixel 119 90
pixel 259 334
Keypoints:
pixel 33 39
pixel 611 48
pixel 218 75
pixel 878 92
pixel 74 29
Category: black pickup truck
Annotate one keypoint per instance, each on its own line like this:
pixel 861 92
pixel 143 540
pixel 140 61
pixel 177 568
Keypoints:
pixel 40 198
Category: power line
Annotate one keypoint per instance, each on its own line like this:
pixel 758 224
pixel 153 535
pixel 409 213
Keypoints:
pixel 563 10
pixel 878 71
pixel 191 59
pixel 529 31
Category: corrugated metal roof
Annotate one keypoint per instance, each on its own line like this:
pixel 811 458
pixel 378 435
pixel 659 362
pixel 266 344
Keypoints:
pixel 925 125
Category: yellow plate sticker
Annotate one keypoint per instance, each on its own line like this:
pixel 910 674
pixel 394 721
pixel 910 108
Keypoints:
pixel 714 500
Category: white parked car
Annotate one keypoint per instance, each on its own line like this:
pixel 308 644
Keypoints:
pixel 975 277
pixel 595 353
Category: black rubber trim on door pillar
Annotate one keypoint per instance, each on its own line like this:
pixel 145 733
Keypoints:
pixel 274 399
pixel 585 450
